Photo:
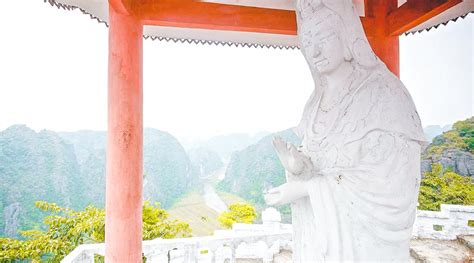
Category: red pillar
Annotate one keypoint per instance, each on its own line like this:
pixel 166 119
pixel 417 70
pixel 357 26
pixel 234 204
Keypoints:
pixel 387 49
pixel 123 223
pixel 386 46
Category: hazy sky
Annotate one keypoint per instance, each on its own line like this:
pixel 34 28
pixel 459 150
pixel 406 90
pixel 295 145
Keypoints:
pixel 53 75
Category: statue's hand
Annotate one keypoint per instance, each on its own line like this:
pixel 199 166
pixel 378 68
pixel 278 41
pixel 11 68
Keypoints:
pixel 294 161
pixel 286 193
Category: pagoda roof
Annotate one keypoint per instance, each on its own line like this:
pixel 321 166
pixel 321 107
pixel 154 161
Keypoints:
pixel 460 10
pixel 98 10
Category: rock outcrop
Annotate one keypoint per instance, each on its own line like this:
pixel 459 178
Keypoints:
pixel 11 216
pixel 461 162
pixel 454 149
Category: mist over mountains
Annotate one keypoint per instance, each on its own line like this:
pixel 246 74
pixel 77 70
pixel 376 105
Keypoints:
pixel 225 145
pixel 68 168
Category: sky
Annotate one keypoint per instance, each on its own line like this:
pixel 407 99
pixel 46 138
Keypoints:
pixel 53 75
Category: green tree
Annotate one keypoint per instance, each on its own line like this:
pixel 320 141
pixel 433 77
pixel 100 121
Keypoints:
pixel 438 187
pixel 238 213
pixel 460 137
pixel 67 229
pixel 466 132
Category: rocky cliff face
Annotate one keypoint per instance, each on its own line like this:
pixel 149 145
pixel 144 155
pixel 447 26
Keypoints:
pixel 11 217
pixel 461 162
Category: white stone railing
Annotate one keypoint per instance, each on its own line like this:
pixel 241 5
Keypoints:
pixel 199 249
pixel 263 241
pixel 446 224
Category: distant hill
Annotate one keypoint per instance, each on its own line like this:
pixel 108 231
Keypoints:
pixel 225 145
pixel 256 167
pixel 90 151
pixel 168 170
pixel 69 169
pixel 205 161
pixel 35 166
pixel 432 131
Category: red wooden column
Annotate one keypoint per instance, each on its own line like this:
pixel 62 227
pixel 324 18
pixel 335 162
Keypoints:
pixel 385 45
pixel 123 223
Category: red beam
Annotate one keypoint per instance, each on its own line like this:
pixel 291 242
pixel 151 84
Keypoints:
pixel 415 12
pixel 192 14
pixel 203 15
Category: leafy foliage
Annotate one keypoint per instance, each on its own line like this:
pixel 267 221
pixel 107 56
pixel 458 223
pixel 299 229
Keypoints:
pixel 466 132
pixel 444 188
pixel 238 213
pixel 67 229
pixel 460 137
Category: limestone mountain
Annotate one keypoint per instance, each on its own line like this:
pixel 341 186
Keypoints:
pixel 68 168
pixel 167 170
pixel 35 166
pixel 205 161
pixel 89 148
pixel 255 168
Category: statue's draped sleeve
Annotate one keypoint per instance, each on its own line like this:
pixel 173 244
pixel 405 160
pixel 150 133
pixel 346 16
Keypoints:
pixel 373 185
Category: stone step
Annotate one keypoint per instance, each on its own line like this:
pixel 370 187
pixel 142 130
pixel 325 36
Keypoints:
pixel 421 251
pixel 431 250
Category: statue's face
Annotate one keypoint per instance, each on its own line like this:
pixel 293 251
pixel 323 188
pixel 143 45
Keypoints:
pixel 323 48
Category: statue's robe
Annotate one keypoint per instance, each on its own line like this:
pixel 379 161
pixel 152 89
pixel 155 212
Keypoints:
pixel 364 187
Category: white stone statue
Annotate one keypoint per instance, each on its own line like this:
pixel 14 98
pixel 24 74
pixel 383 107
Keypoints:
pixel 353 183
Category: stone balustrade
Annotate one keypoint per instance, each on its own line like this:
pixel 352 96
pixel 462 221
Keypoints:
pixel 446 224
pixel 264 241
pixel 199 249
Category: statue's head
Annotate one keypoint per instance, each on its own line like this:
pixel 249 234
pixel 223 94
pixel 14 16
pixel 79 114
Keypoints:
pixel 324 41
pixel 330 34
